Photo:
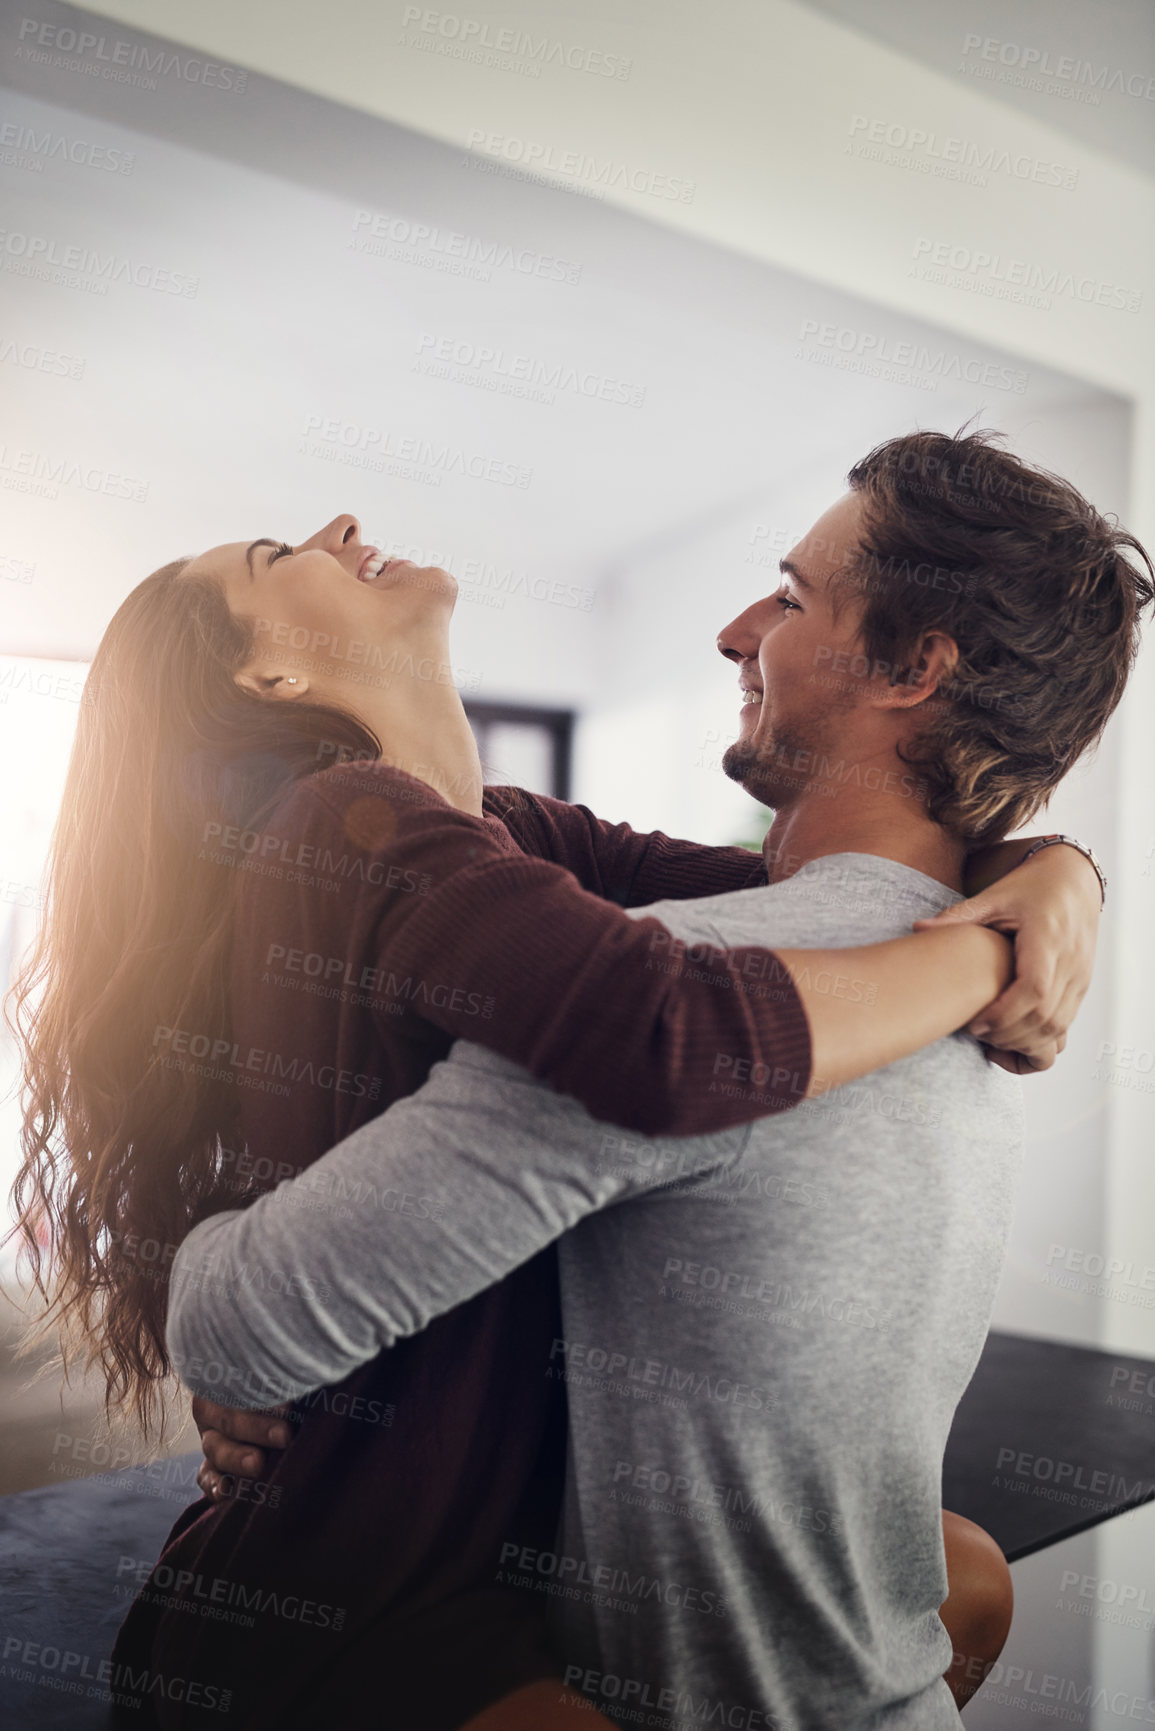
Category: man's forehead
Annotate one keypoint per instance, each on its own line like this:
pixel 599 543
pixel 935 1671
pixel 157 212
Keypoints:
pixel 826 545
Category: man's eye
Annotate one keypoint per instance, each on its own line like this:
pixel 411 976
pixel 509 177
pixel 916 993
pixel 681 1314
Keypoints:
pixel 785 601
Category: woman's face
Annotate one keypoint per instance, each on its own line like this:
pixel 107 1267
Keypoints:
pixel 328 597
pixel 335 623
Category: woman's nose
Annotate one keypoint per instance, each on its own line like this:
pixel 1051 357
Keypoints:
pixel 336 534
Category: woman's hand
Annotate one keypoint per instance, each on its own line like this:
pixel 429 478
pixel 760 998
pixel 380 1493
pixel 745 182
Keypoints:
pixel 228 1436
pixel 1051 907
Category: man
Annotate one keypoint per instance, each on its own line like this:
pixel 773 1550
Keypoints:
pixel 766 1332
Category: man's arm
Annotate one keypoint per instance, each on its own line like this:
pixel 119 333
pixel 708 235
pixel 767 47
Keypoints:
pixel 437 1198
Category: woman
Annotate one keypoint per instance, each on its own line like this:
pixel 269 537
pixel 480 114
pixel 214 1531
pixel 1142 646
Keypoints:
pixel 251 946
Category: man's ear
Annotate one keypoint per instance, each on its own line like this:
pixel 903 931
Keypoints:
pixel 931 666
pixel 272 682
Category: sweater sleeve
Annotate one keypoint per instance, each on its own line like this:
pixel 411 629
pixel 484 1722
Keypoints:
pixel 451 1189
pixel 612 860
pixel 512 952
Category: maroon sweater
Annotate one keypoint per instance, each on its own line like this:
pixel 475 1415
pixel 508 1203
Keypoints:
pixel 375 924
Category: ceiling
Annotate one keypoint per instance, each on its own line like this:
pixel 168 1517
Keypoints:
pixel 532 384
pixel 1096 99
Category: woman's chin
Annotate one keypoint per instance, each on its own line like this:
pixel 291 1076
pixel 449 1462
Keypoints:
pixel 429 581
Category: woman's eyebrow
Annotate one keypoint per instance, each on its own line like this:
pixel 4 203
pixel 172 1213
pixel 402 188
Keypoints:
pixel 249 551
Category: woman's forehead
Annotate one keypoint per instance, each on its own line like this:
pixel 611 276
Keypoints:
pixel 217 561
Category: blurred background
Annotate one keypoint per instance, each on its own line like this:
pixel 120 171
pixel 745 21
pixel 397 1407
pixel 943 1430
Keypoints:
pixel 594 306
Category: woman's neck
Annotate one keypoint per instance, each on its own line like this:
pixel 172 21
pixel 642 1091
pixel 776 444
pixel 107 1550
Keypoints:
pixel 433 747
pixel 417 714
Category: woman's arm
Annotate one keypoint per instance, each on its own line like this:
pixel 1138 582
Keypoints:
pixel 612 1010
pixel 617 862
pixel 634 867
pixel 1052 909
pixel 510 951
pixel 915 994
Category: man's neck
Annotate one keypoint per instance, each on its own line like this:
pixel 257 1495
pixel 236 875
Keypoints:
pixel 861 820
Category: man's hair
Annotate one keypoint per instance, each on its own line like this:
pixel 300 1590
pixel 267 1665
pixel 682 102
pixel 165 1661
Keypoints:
pixel 1033 586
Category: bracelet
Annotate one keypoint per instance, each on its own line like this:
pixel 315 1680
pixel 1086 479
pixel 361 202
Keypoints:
pixel 1050 841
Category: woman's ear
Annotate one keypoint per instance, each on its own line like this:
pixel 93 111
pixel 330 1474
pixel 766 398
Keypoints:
pixel 270 682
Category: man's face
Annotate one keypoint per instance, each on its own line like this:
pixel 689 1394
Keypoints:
pixel 794 711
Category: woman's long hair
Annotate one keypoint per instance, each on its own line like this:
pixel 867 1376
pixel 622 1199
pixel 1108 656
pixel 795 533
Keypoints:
pixel 121 1151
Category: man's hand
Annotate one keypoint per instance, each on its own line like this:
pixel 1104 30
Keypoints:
pixel 1051 906
pixel 228 1436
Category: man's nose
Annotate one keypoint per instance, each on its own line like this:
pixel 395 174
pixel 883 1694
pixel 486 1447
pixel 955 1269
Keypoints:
pixel 336 534
pixel 742 638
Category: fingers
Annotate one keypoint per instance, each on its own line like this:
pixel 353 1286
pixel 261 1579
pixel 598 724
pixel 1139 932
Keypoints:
pixel 1025 1028
pixel 1073 995
pixel 236 1442
pixel 1027 1016
pixel 1004 1060
pixel 223 1455
pixel 1040 1044
pixel 236 1424
pixel 210 1482
pixel 972 912
pixel 1019 1021
pixel 1038 1005
pixel 1021 1063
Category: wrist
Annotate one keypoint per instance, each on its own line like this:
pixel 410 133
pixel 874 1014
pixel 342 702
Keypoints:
pixel 994 960
pixel 984 866
pixel 1069 844
pixel 978 961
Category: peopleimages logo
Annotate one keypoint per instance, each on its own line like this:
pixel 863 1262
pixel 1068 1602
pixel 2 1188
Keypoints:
pixel 330 437
pixel 228 1059
pixel 17 678
pixel 75 1673
pixel 488 367
pixel 609 1578
pixel 41 360
pixel 45 472
pixel 955 158
pixel 581 167
pixel 384 234
pixel 24 147
pixel 903 361
pixel 1035 64
pixel 999 276
pixel 211 1595
pixel 477 39
pixel 37 252
pixel 121 62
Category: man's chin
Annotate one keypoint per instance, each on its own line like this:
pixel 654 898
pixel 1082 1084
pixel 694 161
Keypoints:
pixel 743 763
pixel 735 760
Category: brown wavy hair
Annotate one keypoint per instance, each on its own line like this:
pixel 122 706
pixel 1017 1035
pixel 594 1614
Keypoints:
pixel 121 1153
pixel 1035 588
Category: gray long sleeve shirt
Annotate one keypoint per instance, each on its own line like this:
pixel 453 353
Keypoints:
pixel 767 1332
